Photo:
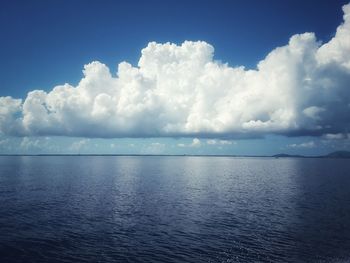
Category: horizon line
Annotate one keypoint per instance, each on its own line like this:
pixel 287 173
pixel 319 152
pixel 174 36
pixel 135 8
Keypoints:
pixel 279 155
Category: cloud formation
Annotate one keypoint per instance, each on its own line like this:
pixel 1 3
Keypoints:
pixel 78 145
pixel 337 136
pixel 310 144
pixel 301 88
pixel 220 142
pixel 195 143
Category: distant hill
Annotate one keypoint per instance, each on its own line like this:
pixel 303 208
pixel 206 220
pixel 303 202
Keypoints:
pixel 284 155
pixel 338 154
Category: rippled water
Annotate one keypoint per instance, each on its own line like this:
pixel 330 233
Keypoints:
pixel 174 209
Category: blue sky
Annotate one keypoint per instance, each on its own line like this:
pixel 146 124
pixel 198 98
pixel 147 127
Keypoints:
pixel 47 43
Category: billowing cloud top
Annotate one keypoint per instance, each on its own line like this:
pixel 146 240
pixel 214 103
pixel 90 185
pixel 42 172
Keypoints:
pixel 179 90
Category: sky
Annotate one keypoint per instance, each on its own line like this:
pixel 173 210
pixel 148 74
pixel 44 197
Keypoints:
pixel 174 77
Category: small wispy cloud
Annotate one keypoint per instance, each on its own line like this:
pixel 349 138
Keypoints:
pixel 78 145
pixel 29 144
pixel 113 145
pixel 337 136
pixel 154 148
pixel 195 143
pixel 4 142
pixel 310 144
pixel 220 142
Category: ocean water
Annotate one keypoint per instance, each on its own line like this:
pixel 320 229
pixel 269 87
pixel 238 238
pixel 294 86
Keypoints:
pixel 173 209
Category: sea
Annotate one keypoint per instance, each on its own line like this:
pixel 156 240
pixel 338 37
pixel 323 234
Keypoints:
pixel 174 209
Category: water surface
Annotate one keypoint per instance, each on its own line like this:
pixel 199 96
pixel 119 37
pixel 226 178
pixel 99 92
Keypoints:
pixel 173 209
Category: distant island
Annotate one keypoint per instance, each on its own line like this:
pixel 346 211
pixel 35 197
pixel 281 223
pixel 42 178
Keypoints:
pixel 284 155
pixel 339 154
pixel 336 154
pixel 333 155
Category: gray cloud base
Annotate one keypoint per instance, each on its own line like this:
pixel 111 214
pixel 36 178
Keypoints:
pixel 301 88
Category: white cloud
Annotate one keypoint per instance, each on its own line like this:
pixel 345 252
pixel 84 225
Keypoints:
pixel 211 142
pixel 313 112
pixel 78 145
pixel 310 144
pixel 9 107
pixel 220 142
pixel 179 90
pixel 30 144
pixel 154 148
pixel 336 136
pixel 337 50
pixel 157 145
pixel 195 143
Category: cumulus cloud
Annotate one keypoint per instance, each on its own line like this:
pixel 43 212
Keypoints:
pixel 195 143
pixel 301 88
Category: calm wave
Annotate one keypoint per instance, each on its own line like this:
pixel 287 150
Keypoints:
pixel 174 209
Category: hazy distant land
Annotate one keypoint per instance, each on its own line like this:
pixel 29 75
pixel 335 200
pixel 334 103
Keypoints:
pixel 333 155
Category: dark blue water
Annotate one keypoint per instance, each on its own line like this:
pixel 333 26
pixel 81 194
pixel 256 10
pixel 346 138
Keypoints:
pixel 174 209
